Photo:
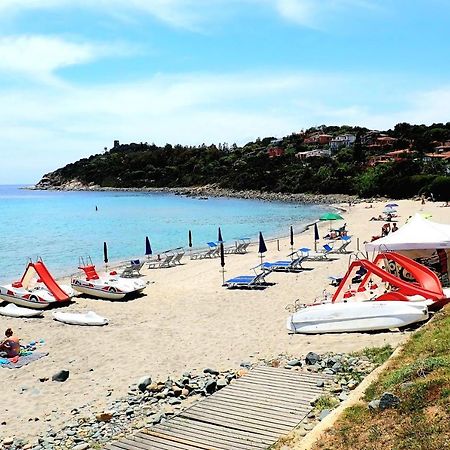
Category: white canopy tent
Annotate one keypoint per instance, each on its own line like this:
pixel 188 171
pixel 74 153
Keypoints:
pixel 417 234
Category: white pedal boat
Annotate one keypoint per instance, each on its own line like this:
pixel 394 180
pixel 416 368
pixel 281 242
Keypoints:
pixel 356 316
pixel 37 288
pixel 106 285
pixel 87 318
pixel 12 310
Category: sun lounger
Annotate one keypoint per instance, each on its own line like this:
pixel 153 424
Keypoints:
pixel 240 247
pixel 344 244
pixel 256 281
pixel 212 252
pixel 133 270
pixel 316 256
pixel 166 261
pixel 285 266
pixel 177 256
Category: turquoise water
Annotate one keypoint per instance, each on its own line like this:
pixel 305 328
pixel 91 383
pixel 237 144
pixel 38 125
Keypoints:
pixel 61 226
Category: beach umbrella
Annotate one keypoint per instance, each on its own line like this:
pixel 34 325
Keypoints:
pixel 262 246
pixel 148 247
pixel 291 241
pixel 190 239
pixel 316 236
pixel 105 252
pixel 391 205
pixel 222 261
pixel 219 236
pixel 331 216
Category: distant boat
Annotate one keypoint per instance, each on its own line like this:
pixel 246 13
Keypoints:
pixel 203 198
pixel 356 316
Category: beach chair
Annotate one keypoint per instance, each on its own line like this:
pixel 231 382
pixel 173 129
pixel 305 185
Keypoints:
pixel 212 252
pixel 177 256
pixel 166 261
pixel 256 281
pixel 344 244
pixel 316 256
pixel 295 265
pixel 240 248
pixel 132 270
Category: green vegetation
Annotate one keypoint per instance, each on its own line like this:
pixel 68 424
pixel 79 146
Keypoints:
pixel 326 402
pixel 377 355
pixel 347 170
pixel 420 377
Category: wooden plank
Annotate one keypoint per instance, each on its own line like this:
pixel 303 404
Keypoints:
pixel 257 407
pixel 283 379
pixel 248 418
pixel 306 397
pixel 208 438
pixel 279 388
pixel 288 373
pixel 217 430
pixel 231 423
pixel 153 442
pixel 269 400
pixel 244 411
pixel 182 442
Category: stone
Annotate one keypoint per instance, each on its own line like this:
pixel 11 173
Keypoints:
pixel 143 383
pixel 308 426
pixel 312 358
pixel 185 392
pixel 329 371
pixel 211 371
pixel 221 383
pixel 320 383
pixel 61 376
pixel 105 416
pixel 374 405
pixel 389 400
pixel 246 364
pixel 7 441
pixel 336 367
pixel 210 386
pixel 343 396
pixel 43 379
pixel 324 413
pixel 294 362
pixel 81 447
pixel 177 391
pixel 174 401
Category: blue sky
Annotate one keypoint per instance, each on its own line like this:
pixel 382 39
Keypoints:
pixel 77 74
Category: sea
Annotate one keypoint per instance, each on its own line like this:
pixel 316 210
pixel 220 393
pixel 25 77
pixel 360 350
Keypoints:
pixel 61 226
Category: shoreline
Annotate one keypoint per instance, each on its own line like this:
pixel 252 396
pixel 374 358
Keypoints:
pixel 212 191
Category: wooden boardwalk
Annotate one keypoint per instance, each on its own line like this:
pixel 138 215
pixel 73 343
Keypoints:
pixel 251 413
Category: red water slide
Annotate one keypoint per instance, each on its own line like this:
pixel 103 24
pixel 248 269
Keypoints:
pixel 46 277
pixel 405 288
pixel 424 276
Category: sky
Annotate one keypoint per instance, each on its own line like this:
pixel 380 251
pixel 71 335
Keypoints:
pixel 77 74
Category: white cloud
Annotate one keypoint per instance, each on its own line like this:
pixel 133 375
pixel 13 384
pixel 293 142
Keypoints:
pixel 196 14
pixel 39 57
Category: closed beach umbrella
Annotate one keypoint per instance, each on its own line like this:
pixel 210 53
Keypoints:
pixel 105 253
pixel 316 236
pixel 219 236
pixel 222 261
pixel 190 238
pixel 148 247
pixel 292 236
pixel 262 246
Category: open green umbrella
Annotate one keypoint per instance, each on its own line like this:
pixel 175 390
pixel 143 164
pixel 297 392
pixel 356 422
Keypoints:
pixel 331 216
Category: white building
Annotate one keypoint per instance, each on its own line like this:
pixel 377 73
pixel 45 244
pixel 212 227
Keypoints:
pixel 344 140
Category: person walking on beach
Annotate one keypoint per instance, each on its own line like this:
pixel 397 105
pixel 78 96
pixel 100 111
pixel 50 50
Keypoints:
pixel 10 346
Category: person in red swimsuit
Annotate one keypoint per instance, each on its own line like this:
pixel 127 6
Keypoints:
pixel 10 346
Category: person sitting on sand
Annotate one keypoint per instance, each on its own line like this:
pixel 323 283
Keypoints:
pixel 10 346
pixel 394 227
pixel 385 229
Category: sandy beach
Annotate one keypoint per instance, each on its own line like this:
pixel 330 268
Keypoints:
pixel 185 321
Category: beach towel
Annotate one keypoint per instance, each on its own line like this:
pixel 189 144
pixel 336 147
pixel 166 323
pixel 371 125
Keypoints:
pixel 22 360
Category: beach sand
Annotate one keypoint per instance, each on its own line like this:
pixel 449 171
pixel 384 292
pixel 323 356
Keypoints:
pixel 186 321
